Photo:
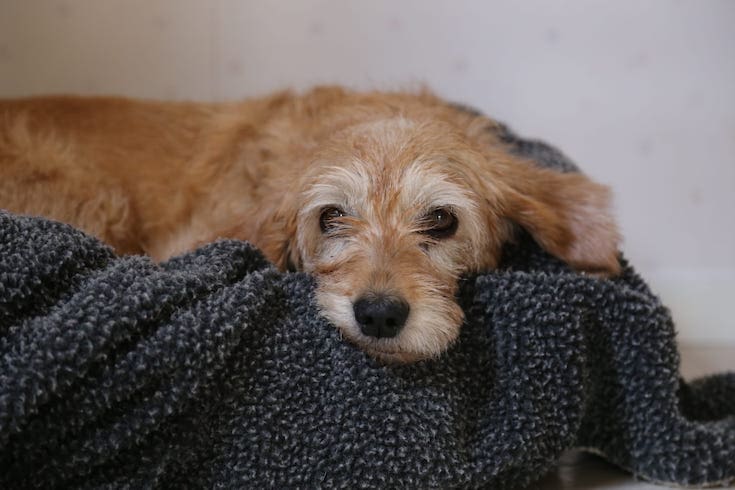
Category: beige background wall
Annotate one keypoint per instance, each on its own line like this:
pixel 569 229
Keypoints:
pixel 640 93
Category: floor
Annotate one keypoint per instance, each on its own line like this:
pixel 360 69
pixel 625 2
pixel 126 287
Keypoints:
pixel 581 471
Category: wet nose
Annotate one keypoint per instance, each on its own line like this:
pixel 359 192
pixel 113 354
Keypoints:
pixel 381 315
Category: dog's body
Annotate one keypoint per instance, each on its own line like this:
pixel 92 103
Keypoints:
pixel 387 198
pixel 146 177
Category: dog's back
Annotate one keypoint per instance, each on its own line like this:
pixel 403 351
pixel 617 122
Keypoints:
pixel 102 164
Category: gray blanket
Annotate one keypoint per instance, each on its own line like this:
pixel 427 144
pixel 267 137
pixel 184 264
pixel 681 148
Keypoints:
pixel 214 370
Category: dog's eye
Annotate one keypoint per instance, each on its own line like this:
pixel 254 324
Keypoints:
pixel 439 223
pixel 328 218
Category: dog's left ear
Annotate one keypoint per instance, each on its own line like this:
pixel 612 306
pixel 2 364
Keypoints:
pixel 566 213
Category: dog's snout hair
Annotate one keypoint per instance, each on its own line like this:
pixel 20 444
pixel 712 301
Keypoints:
pixel 386 198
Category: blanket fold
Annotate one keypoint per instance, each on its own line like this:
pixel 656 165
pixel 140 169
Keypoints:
pixel 214 370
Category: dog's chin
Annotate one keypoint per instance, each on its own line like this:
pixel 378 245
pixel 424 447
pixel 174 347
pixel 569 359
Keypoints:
pixel 397 357
pixel 386 351
pixel 411 345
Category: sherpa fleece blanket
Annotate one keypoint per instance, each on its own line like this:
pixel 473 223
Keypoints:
pixel 213 370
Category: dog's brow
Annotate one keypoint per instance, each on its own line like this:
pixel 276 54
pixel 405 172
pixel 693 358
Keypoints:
pixel 424 187
pixel 339 186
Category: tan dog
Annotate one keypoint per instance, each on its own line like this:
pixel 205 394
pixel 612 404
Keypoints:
pixel 387 198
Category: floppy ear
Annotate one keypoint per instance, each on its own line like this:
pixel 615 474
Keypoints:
pixel 566 213
pixel 275 236
pixel 273 232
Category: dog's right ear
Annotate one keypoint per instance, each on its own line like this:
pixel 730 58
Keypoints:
pixel 272 231
pixel 275 235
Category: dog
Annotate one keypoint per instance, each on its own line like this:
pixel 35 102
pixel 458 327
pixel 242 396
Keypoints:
pixel 386 198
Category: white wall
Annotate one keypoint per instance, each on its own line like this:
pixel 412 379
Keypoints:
pixel 640 93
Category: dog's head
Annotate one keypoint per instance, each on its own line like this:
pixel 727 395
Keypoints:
pixel 391 212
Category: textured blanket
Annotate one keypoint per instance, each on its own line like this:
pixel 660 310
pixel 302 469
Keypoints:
pixel 214 370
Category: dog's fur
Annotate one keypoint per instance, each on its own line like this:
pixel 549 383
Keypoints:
pixel 161 178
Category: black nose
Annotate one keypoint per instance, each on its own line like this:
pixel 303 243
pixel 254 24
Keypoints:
pixel 381 315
